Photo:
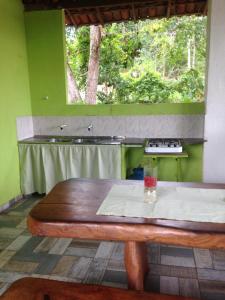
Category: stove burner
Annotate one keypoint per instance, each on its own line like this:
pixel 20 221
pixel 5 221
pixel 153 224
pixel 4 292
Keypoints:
pixel 163 146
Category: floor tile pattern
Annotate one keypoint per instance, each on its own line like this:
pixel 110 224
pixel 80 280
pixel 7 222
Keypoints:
pixel 198 273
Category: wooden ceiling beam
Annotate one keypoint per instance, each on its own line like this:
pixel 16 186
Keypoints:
pixel 76 4
pixel 169 8
pixel 78 12
pixel 205 8
pixel 174 8
pixel 133 12
pixel 69 4
pixel 70 16
pixel 99 16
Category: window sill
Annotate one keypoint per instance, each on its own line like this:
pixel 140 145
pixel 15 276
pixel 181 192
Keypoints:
pixel 136 109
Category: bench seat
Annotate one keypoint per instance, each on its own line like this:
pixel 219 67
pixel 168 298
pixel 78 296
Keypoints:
pixel 45 289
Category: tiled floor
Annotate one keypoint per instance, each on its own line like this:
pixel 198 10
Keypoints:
pixel 199 273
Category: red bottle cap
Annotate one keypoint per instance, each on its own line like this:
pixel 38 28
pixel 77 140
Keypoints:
pixel 150 181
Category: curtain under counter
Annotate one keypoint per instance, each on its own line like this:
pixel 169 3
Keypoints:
pixel 42 166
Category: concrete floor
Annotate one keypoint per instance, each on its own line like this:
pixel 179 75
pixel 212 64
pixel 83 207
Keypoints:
pixel 198 273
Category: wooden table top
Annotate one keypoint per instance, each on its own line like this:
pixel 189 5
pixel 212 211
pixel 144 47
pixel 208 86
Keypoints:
pixel 77 201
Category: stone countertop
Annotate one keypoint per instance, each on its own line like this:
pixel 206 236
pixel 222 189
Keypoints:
pixel 38 139
pixel 140 141
pixel 133 141
pixel 193 141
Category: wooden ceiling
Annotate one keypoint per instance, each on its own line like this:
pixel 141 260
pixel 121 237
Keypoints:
pixel 89 12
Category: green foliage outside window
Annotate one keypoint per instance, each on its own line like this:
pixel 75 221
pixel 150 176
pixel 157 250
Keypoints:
pixel 152 61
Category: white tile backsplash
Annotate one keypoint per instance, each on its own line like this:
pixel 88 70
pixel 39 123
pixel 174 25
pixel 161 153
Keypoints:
pixel 24 127
pixel 157 126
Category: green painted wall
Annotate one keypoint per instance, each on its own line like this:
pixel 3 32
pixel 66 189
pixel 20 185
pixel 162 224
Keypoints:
pixel 46 53
pixel 45 46
pixel 14 93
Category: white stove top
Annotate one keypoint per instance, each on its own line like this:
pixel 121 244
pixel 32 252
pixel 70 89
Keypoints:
pixel 163 146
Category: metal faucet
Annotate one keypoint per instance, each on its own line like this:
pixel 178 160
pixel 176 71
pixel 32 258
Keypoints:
pixel 90 126
pixel 62 126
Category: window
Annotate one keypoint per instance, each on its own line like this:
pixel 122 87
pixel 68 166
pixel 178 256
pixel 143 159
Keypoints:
pixel 151 61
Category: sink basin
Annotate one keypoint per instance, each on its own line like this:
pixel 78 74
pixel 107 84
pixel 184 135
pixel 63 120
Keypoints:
pixel 59 140
pixel 85 141
pixel 77 140
pixel 105 140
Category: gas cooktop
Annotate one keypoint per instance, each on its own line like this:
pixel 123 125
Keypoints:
pixel 163 146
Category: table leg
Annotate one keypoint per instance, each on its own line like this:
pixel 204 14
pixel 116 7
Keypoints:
pixel 136 264
pixel 178 169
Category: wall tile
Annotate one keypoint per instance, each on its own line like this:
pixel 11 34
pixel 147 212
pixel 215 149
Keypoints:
pixel 157 126
pixel 24 127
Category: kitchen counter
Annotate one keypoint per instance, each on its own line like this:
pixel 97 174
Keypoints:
pixel 193 141
pixel 57 158
pixel 46 139
pixel 74 140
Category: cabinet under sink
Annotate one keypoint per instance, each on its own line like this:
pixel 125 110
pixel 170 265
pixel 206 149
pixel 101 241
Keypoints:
pixel 43 165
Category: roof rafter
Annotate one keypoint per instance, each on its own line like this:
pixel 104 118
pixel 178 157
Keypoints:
pixel 99 16
pixel 169 8
pixel 71 17
pixel 94 12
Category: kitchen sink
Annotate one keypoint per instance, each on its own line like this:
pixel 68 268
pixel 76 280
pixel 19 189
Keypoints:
pixel 77 140
pixel 59 140
pixel 111 140
pixel 85 141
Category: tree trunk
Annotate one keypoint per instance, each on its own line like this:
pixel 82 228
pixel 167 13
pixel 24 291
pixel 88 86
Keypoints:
pixel 193 54
pixel 189 54
pixel 73 90
pixel 164 65
pixel 93 65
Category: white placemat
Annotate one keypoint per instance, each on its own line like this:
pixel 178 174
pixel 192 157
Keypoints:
pixel 174 203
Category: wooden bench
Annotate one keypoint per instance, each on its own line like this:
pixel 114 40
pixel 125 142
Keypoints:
pixel 45 289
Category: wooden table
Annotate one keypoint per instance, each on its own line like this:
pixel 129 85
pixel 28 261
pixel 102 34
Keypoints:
pixel 69 211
